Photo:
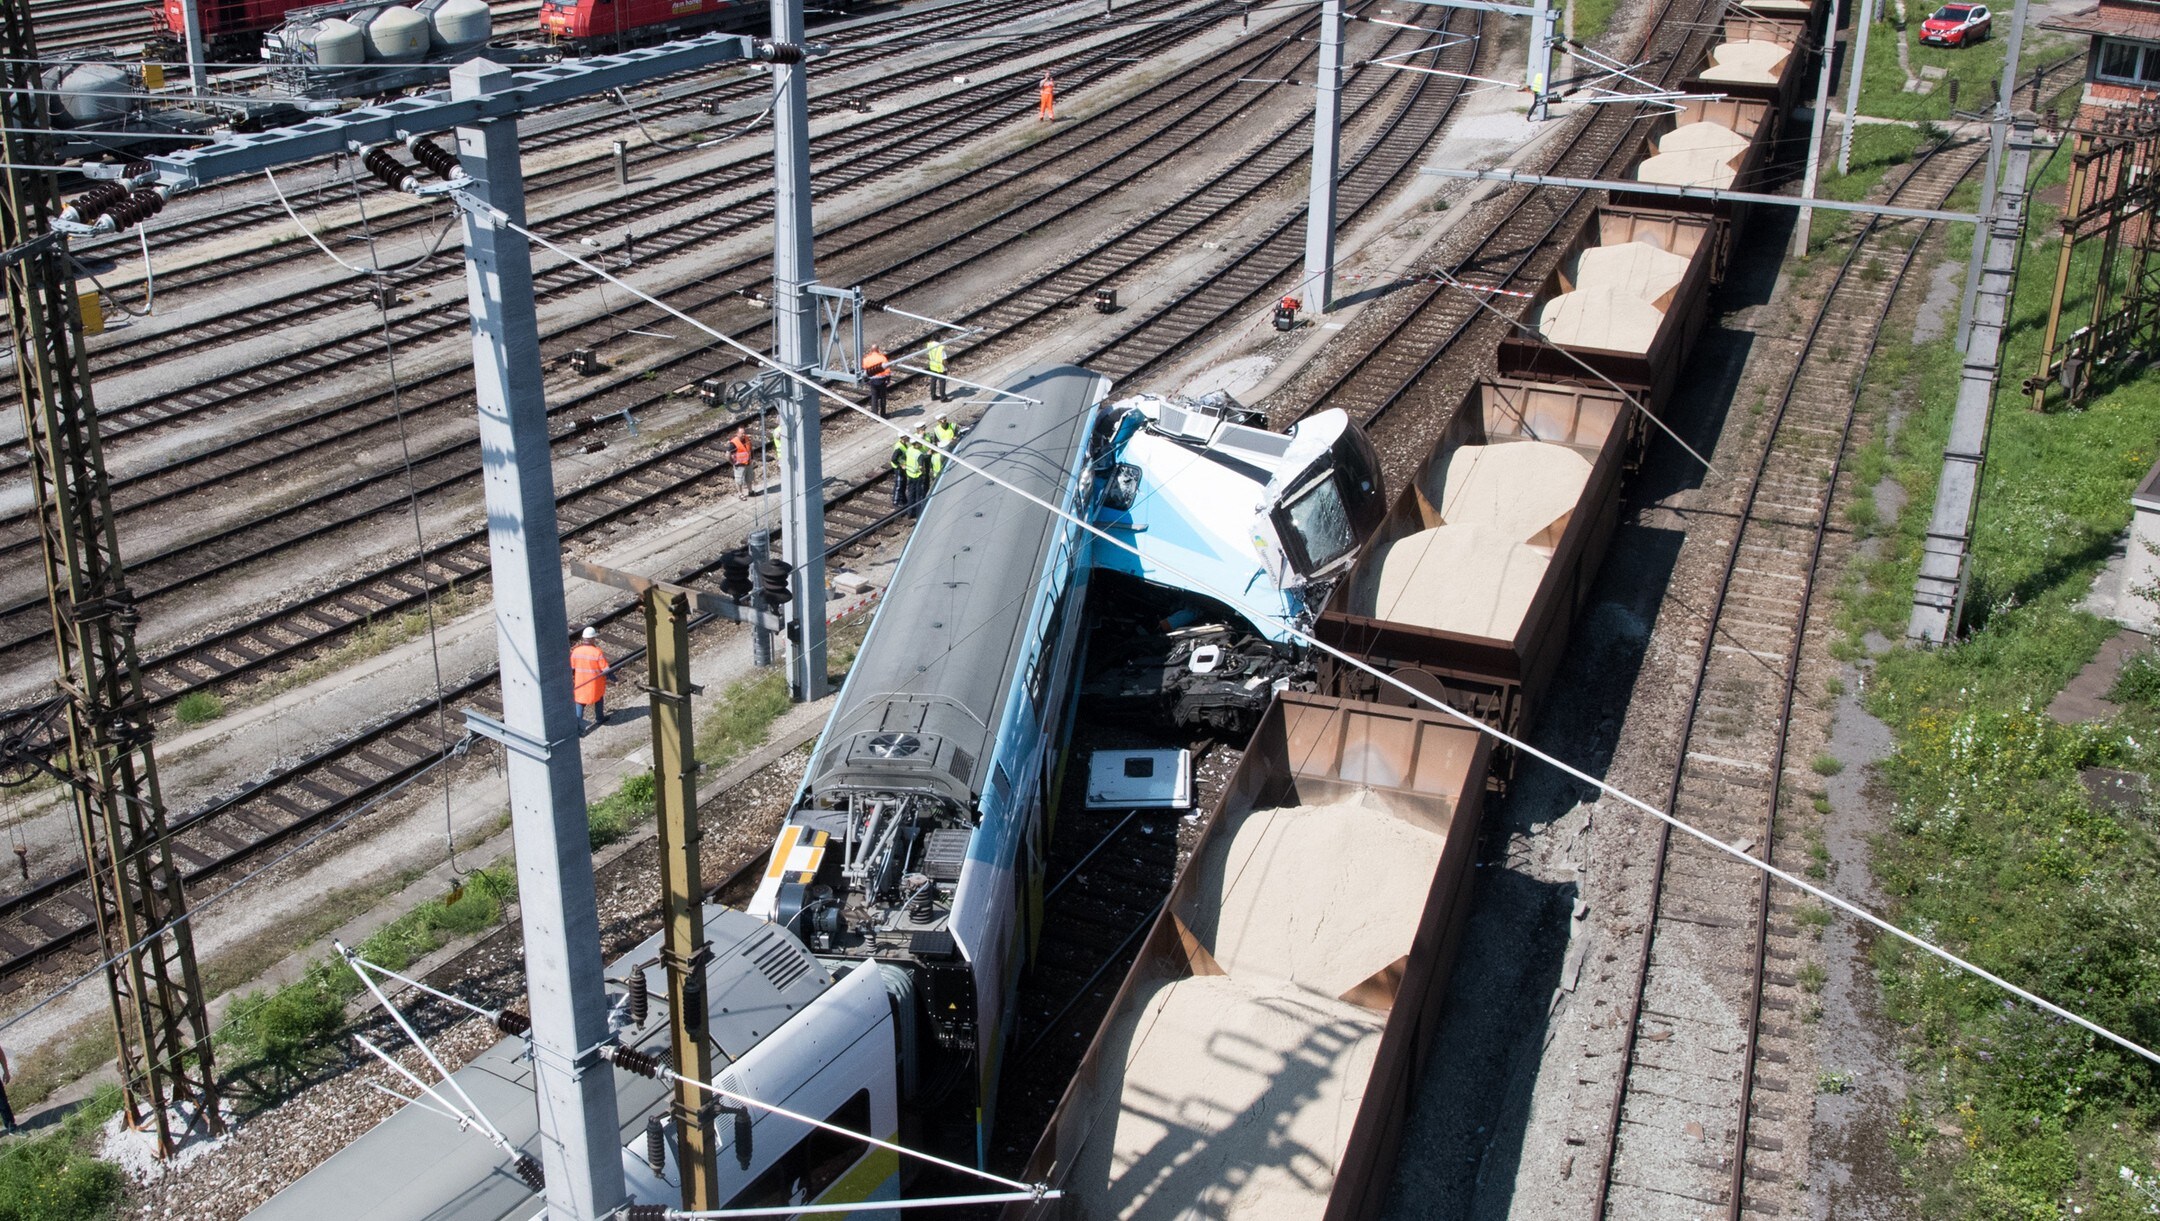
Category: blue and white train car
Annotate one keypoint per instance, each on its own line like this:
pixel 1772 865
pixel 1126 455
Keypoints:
pixel 918 837
pixel 1201 500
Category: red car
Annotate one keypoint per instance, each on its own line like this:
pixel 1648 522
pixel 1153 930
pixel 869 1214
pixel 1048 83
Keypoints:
pixel 1956 25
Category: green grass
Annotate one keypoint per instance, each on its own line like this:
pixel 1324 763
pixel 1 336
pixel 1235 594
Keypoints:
pixel 1977 69
pixel 1876 150
pixel 1995 850
pixel 610 818
pixel 198 707
pixel 270 1037
pixel 1592 18
pixel 56 1175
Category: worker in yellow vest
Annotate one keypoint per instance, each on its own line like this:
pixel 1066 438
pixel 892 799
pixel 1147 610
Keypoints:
pixel 942 435
pixel 934 361
pixel 915 469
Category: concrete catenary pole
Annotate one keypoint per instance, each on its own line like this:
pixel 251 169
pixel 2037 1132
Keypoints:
pixel 198 58
pixel 1806 221
pixel 795 346
pixel 1945 554
pixel 1326 156
pixel 580 1143
pixel 1998 135
pixel 1862 20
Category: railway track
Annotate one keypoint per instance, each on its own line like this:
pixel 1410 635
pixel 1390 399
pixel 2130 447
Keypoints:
pixel 1420 358
pixel 1704 1114
pixel 49 917
pixel 349 776
pixel 340 304
pixel 273 639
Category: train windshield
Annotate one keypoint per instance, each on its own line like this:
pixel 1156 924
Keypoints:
pixel 1315 522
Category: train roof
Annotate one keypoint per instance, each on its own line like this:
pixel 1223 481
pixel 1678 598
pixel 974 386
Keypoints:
pixel 938 662
pixel 417 1166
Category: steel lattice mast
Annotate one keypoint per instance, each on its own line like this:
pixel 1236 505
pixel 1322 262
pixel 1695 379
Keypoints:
pixel 159 1022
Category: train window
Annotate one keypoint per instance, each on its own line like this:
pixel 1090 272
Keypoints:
pixel 1315 524
pixel 808 1170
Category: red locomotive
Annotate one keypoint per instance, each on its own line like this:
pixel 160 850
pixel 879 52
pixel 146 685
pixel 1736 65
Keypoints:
pixel 605 24
pixel 231 28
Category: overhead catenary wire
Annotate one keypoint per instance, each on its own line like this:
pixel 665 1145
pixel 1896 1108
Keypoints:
pixel 1417 696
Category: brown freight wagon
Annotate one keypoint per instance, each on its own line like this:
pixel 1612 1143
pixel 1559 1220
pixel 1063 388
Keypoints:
pixel 1493 662
pixel 1724 143
pixel 1758 57
pixel 1627 299
pixel 1239 1061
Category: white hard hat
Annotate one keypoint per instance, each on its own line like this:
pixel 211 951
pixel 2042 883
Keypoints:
pixel 590 634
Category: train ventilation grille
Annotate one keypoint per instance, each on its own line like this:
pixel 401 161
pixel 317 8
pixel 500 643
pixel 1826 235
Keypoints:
pixel 779 961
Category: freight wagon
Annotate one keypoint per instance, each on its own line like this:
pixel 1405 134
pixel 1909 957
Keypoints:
pixel 1721 143
pixel 1624 304
pixel 1469 588
pixel 1262 1049
pixel 1758 57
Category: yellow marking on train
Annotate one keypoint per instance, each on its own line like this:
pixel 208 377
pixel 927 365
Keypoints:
pixel 806 858
pixel 782 850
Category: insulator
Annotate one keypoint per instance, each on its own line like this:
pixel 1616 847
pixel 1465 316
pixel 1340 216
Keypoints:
pixel 775 573
pixel 435 159
pixel 640 998
pixel 923 905
pixel 645 1212
pixel 92 203
pixel 633 1062
pixel 779 52
pixel 656 1145
pixel 511 1022
pixel 136 208
pixel 135 169
pixel 529 1170
pixel 735 573
pixel 387 169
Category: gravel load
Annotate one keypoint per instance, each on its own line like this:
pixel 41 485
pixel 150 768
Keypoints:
pixel 1696 155
pixel 1748 61
pixel 1458 579
pixel 1604 317
pixel 1516 491
pixel 1239 1090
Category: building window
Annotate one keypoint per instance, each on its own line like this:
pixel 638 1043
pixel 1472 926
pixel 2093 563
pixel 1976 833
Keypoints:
pixel 2129 63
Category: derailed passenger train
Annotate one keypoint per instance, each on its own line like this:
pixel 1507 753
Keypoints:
pixel 905 889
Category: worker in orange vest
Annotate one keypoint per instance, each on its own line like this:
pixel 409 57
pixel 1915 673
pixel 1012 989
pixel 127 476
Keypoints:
pixel 877 374
pixel 1047 93
pixel 588 676
pixel 739 457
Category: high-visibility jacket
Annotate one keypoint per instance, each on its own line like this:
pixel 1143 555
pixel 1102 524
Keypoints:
pixel 875 364
pixel 934 357
pixel 943 432
pixel 899 454
pixel 1048 91
pixel 913 454
pixel 739 450
pixel 588 670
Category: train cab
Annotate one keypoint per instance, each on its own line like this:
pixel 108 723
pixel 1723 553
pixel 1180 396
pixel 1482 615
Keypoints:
pixel 1199 498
